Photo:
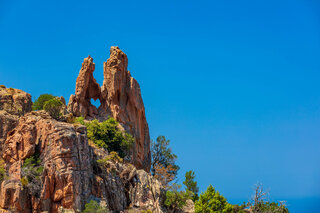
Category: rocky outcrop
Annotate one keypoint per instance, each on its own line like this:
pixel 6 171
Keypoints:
pixel 13 196
pixel 13 103
pixel 86 88
pixel 147 192
pixel 64 154
pixel 122 187
pixel 189 207
pixel 71 176
pixel 120 97
pixel 8 122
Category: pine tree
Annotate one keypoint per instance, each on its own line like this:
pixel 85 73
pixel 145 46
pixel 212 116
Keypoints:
pixel 191 184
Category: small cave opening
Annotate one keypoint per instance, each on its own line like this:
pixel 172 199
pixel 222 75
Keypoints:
pixel 95 103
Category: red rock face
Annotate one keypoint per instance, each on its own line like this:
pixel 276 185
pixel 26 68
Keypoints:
pixel 65 155
pixel 120 97
pixel 70 176
pixel 86 88
pixel 13 103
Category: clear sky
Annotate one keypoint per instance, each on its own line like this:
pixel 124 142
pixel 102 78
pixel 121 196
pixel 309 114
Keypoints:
pixel 233 84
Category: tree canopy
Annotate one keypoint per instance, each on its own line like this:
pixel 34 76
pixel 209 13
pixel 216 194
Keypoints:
pixel 162 155
pixel 191 184
pixel 38 104
pixel 211 201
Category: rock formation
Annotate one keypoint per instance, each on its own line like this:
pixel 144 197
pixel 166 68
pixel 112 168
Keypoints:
pixel 70 176
pixel 120 97
pixel 13 103
pixel 86 88
pixel 64 153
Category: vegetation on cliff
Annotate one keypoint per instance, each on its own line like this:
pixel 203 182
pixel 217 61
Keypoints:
pixel 31 174
pixel 53 107
pixel 38 104
pixel 94 207
pixel 108 135
pixel 49 103
pixel 176 198
pixel 2 170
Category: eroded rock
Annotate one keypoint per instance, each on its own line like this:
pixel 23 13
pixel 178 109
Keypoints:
pixel 13 103
pixel 64 153
pixel 120 98
pixel 71 176
pixel 86 88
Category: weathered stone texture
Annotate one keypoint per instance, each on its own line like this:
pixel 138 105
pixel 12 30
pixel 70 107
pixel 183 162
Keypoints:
pixel 13 103
pixel 64 152
pixel 71 176
pixel 120 97
pixel 86 88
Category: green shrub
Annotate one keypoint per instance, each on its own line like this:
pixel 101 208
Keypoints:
pixel 40 101
pixel 31 174
pixel 2 170
pixel 79 120
pixel 271 207
pixel 240 208
pixel 94 207
pixel 24 181
pixel 53 107
pixel 113 156
pixel 176 199
pixel 106 163
pixel 211 201
pixel 2 86
pixel 107 135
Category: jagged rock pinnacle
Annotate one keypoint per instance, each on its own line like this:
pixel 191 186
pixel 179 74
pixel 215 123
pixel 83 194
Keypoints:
pixel 120 98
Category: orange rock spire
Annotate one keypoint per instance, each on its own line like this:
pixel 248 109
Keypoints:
pixel 120 97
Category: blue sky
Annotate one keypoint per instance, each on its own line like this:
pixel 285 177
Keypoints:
pixel 233 84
